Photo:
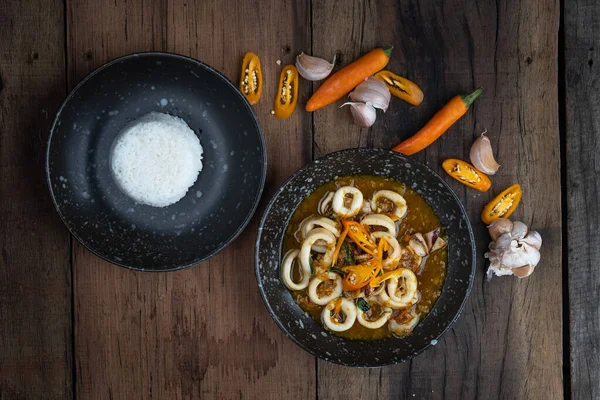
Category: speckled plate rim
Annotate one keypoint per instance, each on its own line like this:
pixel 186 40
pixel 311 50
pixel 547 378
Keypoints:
pixel 283 327
pixel 219 75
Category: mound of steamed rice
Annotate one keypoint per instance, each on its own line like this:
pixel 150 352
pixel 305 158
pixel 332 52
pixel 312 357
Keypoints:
pixel 156 159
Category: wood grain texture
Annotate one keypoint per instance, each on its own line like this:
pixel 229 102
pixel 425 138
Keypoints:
pixel 507 343
pixel 582 40
pixel 35 275
pixel 202 332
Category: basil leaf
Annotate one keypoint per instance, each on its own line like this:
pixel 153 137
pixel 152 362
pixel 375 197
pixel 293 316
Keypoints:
pixel 347 253
pixel 337 270
pixel 310 262
pixel 362 304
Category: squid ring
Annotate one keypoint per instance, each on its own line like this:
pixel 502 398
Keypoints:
pixel 348 309
pixel 339 198
pixel 378 323
pixel 402 288
pixel 311 238
pixel 386 301
pixel 314 284
pixel 406 328
pixel 380 220
pixel 286 272
pixel 393 258
pixel 325 202
pixel 308 224
pixel 399 202
pixel 400 291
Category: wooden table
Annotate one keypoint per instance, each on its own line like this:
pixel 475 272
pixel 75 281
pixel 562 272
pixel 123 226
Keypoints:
pixel 73 326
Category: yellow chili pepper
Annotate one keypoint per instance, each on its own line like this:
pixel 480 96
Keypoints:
pixel 360 275
pixel 467 174
pixel 338 246
pixel 503 205
pixel 251 78
pixel 287 92
pixel 401 87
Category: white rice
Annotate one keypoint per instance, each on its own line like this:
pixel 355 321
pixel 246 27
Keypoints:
pixel 156 159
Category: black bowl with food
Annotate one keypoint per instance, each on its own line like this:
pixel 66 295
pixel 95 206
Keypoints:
pixel 156 161
pixel 365 245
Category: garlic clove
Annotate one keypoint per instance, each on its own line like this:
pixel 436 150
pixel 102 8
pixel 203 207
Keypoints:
pixel 372 91
pixel 313 68
pixel 482 156
pixel 363 113
pixel 533 239
pixel 519 254
pixel 519 230
pixel 523 271
pixel 500 226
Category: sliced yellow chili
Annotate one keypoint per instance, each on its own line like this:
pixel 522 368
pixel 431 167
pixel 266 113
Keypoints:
pixel 358 276
pixel 467 174
pixel 251 78
pixel 360 236
pixel 503 205
pixel 401 87
pixel 287 92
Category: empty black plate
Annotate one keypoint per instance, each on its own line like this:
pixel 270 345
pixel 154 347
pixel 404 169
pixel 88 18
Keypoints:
pixel 215 209
pixel 310 334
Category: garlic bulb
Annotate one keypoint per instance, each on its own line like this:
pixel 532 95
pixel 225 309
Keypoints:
pixel 313 68
pixel 372 91
pixel 482 156
pixel 363 113
pixel 514 250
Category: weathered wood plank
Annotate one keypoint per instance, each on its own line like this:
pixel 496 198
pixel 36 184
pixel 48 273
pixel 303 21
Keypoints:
pixel 35 274
pixel 582 40
pixel 202 332
pixel 508 342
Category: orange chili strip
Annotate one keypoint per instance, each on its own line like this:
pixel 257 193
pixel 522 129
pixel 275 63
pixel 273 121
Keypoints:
pixel 384 277
pixel 467 174
pixel 360 236
pixel 339 244
pixel 287 92
pixel 441 121
pixel 338 306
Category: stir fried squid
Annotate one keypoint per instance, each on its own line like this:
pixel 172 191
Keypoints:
pixel 357 262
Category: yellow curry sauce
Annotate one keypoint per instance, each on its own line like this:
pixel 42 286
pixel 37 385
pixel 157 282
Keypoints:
pixel 420 217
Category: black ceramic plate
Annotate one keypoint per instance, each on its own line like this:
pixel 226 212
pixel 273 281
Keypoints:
pixel 309 334
pixel 215 209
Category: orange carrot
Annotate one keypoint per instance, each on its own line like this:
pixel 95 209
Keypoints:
pixel 347 78
pixel 441 121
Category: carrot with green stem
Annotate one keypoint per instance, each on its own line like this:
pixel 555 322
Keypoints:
pixel 342 82
pixel 441 121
